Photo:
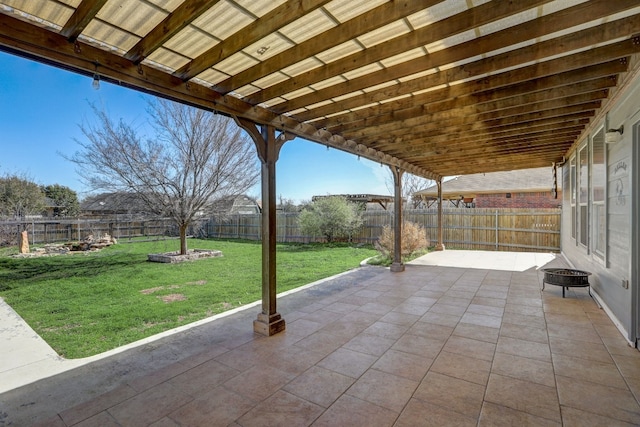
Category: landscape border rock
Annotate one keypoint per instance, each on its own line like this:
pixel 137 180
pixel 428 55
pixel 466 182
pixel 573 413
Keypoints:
pixel 175 257
pixel 89 244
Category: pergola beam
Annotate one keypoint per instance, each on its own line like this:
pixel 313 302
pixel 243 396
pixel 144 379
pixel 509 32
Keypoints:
pixel 485 130
pixel 171 25
pixel 463 96
pixel 361 24
pixel 537 72
pixel 81 17
pixel 435 110
pixel 261 27
pixel 453 147
pixel 469 119
pixel 549 48
pixel 544 146
pixel 480 15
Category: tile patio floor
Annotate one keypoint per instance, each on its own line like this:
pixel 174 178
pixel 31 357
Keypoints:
pixel 432 346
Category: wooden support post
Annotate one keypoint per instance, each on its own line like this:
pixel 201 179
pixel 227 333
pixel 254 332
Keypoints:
pixel 440 245
pixel 397 265
pixel 269 321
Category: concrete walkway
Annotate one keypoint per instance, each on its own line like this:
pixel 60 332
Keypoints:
pixel 501 261
pixel 434 344
pixel 26 358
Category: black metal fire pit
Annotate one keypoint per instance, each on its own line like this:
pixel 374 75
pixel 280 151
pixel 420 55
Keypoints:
pixel 566 277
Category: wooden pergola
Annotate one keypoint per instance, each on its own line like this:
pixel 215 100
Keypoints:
pixel 433 88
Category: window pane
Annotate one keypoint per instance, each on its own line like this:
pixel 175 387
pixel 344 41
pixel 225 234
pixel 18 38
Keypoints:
pixel 573 190
pixel 599 227
pixel 598 182
pixel 583 224
pixel 573 179
pixel 584 176
pixel 598 171
pixel 566 183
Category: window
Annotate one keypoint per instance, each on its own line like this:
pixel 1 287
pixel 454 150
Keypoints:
pixel 598 182
pixel 587 187
pixel 583 195
pixel 572 194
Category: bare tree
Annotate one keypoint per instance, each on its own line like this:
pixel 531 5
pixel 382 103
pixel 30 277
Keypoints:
pixel 411 184
pixel 194 157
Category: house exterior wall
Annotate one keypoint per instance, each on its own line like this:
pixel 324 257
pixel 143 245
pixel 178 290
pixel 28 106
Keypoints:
pixel 518 200
pixel 610 259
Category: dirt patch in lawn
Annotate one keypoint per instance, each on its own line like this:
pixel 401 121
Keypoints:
pixel 172 298
pixel 158 288
pixel 162 288
pixel 199 282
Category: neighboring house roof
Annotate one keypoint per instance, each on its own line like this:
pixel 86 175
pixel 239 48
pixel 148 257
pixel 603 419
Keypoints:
pixel 241 204
pixel 519 181
pixel 113 202
pixel 49 203
pixel 245 205
pixel 131 203
pixel 362 198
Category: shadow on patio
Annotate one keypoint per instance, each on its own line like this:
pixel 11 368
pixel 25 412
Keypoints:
pixel 435 345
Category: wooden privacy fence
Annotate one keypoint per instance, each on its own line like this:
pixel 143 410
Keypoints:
pixel 481 229
pixel 64 230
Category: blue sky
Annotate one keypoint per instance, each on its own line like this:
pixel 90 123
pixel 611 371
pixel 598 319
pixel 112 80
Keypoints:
pixel 41 107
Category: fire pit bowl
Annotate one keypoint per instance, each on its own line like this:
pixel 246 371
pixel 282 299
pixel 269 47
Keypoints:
pixel 566 277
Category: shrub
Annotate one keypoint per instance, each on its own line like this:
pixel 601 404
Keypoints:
pixel 414 238
pixel 8 235
pixel 332 217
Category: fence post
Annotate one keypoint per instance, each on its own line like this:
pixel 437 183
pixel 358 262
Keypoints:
pixel 496 230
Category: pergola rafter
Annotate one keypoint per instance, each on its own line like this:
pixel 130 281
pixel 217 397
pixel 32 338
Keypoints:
pixel 509 59
pixel 272 21
pixel 368 21
pixel 454 105
pixel 448 27
pixel 464 95
pixel 86 11
pixel 186 13
pixel 366 75
pixel 535 72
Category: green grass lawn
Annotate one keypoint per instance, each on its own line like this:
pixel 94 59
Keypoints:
pixel 87 303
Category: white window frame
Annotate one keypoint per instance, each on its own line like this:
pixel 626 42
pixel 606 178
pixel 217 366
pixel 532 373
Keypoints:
pixel 600 253
pixel 573 189
pixel 583 199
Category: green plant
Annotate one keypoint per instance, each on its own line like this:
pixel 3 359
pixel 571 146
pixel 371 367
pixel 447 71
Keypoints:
pixel 332 217
pixel 19 197
pixel 65 200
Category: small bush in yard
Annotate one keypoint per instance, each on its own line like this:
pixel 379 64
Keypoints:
pixel 332 217
pixel 414 238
